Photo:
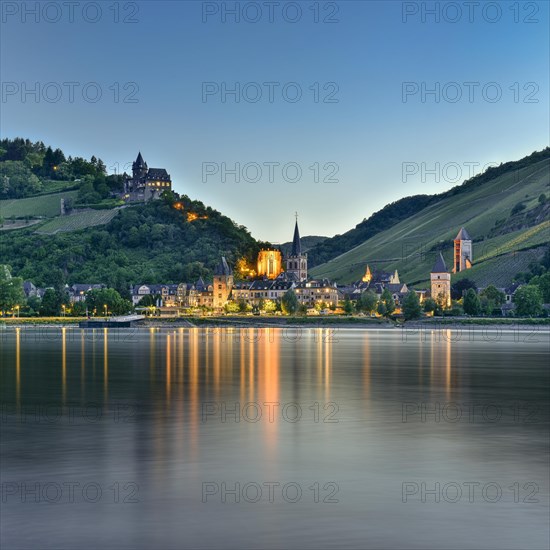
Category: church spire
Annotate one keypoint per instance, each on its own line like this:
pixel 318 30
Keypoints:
pixel 296 245
pixel 139 160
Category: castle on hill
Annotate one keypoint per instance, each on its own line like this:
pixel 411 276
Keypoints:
pixel 146 183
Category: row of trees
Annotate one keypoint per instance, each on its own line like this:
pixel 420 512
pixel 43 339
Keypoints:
pixel 27 167
pixel 55 302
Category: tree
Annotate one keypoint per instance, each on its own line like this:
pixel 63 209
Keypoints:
pixel 33 303
pixel 11 290
pixel 388 302
pixel 542 198
pixel 460 287
pixel 231 307
pixel 79 309
pixel 270 306
pixel 381 309
pixel 289 302
pixel 494 294
pixel 99 298
pixel 411 306
pixel 51 303
pixel 543 282
pixel 367 302
pixel 348 307
pixel 528 300
pixel 18 180
pixel 472 305
pixel 430 305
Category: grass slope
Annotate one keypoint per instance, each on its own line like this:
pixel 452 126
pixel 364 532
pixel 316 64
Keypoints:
pixel 411 245
pixel 46 206
pixel 78 220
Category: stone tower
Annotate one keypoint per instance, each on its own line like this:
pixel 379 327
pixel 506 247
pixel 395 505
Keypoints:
pixel 296 263
pixel 462 251
pixel 440 279
pixel 223 284
pixel 139 168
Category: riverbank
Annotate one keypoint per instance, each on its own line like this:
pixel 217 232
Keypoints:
pixel 225 321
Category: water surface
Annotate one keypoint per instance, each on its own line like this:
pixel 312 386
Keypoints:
pixel 331 439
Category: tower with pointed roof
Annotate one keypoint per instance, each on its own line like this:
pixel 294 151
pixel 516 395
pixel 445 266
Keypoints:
pixel 462 251
pixel 223 284
pixel 296 263
pixel 440 279
pixel 139 168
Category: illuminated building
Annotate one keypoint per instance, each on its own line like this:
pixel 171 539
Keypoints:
pixel 462 251
pixel 223 284
pixel 270 263
pixel 146 183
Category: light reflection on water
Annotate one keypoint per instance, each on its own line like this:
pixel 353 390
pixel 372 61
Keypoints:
pixel 170 410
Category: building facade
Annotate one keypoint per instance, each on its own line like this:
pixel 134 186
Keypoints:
pixel 270 263
pixel 223 284
pixel 463 253
pixel 440 280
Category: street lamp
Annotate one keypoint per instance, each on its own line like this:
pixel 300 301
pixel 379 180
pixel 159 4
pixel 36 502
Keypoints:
pixel 17 308
pixel 63 307
pixel 105 306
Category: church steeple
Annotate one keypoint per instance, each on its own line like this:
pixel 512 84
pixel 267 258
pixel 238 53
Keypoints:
pixel 296 245
pixel 296 263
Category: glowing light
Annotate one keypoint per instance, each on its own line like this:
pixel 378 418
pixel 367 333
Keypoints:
pixel 367 277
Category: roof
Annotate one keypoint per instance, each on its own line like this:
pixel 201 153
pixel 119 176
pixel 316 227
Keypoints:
pixel 296 245
pixel 158 174
pixel 440 266
pixel 85 287
pixel 139 161
pixel 261 285
pixel 463 235
pixel 223 268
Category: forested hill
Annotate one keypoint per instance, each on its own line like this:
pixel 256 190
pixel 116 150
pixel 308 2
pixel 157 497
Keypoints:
pixel 404 208
pixel 100 239
pixel 153 242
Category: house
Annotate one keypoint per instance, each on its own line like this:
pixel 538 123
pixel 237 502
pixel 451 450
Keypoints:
pixel 29 289
pixel 77 292
pixel 313 292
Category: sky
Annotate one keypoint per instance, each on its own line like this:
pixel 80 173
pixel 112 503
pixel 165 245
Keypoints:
pixel 263 109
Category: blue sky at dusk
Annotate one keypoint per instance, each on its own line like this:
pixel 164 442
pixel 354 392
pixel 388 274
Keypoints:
pixel 359 61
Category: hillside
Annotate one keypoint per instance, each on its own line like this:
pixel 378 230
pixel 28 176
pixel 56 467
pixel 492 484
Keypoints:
pixel 156 242
pixel 400 210
pixel 99 239
pixel 307 243
pixel 500 210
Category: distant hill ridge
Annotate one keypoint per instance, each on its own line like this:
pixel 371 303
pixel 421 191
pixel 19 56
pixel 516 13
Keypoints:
pixel 402 209
pixel 505 210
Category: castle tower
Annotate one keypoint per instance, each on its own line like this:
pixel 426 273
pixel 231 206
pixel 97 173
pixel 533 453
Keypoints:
pixel 223 284
pixel 296 263
pixel 462 251
pixel 139 168
pixel 440 279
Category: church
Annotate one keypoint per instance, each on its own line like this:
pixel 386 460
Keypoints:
pixel 146 183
